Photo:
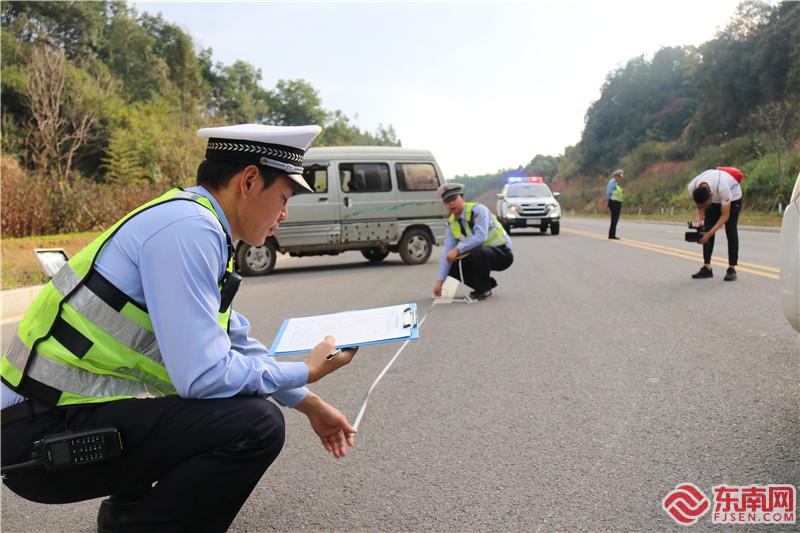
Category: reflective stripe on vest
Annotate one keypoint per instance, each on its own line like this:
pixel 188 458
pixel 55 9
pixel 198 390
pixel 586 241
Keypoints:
pixel 495 236
pixel 83 340
pixel 616 194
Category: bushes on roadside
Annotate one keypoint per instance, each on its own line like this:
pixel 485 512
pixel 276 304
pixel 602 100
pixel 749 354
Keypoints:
pixel 35 206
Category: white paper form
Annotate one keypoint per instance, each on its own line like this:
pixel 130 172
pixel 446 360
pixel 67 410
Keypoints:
pixel 349 328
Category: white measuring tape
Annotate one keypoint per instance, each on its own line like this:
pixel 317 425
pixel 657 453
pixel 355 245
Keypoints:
pixel 466 299
pixel 385 369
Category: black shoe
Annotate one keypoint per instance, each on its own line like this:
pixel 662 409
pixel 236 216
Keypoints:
pixel 615 238
pixel 492 283
pixel 730 275
pixel 704 272
pixel 475 295
pixel 114 515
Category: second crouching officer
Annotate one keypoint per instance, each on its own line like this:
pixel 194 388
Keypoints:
pixel 474 245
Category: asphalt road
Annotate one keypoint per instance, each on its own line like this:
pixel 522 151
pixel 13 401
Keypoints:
pixel 596 379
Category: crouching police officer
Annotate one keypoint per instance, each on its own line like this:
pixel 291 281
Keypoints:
pixel 475 244
pixel 136 332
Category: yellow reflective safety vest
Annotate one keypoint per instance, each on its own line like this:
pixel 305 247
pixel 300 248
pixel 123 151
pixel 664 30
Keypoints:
pixel 496 235
pixel 83 340
pixel 616 194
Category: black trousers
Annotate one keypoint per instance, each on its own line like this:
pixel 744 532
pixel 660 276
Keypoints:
pixel 713 212
pixel 615 208
pixel 479 263
pixel 204 456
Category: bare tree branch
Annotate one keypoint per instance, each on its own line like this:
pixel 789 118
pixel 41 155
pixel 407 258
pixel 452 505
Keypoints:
pixel 64 105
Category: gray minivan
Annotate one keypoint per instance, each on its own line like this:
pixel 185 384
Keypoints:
pixel 373 199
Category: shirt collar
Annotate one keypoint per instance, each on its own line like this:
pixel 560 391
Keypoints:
pixel 202 191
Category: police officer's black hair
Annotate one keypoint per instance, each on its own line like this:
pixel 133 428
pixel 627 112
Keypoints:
pixel 701 195
pixel 214 175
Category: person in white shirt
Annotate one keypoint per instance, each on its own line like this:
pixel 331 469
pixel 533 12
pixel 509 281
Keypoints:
pixel 717 195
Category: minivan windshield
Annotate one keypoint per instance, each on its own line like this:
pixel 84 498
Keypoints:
pixel 534 189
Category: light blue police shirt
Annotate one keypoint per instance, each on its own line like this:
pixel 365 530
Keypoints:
pixel 480 217
pixel 171 256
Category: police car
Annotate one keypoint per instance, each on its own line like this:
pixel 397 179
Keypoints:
pixel 526 202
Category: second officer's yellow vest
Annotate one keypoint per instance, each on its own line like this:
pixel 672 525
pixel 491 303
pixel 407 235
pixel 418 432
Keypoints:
pixel 616 194
pixel 496 236
pixel 85 341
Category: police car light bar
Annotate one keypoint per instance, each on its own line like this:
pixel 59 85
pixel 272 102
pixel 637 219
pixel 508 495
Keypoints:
pixel 529 179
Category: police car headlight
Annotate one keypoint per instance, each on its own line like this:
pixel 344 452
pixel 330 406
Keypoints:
pixel 553 210
pixel 513 208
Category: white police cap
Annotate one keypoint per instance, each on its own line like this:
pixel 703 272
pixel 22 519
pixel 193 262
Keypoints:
pixel 449 190
pixel 280 147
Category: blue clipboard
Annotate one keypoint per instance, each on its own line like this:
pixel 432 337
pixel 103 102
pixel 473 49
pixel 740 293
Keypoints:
pixel 410 322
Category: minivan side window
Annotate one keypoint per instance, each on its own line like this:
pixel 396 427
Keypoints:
pixel 317 177
pixel 416 177
pixel 365 177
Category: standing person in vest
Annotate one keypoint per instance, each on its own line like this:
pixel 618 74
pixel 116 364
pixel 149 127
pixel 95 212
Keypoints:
pixel 717 195
pixel 136 332
pixel 476 240
pixel 614 200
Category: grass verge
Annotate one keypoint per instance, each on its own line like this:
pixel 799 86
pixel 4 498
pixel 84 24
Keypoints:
pixel 20 268
pixel 745 219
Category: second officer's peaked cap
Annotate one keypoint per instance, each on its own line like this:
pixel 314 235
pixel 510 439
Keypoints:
pixel 449 190
pixel 279 147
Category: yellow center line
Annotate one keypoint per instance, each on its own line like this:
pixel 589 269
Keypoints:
pixel 751 268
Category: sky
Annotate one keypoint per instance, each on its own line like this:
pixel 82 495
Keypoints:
pixel 483 85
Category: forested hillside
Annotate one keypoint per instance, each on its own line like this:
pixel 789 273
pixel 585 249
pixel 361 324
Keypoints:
pixel 732 101
pixel 100 105
pixel 97 96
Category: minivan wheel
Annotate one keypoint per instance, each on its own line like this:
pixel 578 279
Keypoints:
pixel 257 260
pixel 415 247
pixel 375 255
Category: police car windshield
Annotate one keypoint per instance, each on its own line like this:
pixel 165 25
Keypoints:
pixel 528 189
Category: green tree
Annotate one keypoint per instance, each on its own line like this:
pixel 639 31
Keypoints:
pixel 123 159
pixel 236 92
pixel 132 56
pixel 176 49
pixel 543 165
pixel 76 27
pixel 295 103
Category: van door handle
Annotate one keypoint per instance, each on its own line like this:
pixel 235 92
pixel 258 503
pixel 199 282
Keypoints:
pixel 323 199
pixel 347 201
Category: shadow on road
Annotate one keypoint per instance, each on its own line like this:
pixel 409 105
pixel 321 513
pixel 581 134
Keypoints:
pixel 355 265
pixel 535 233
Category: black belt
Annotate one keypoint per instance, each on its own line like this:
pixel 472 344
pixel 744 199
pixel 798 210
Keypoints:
pixel 26 409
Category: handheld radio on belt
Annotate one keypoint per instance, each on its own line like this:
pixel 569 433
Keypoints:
pixel 70 450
